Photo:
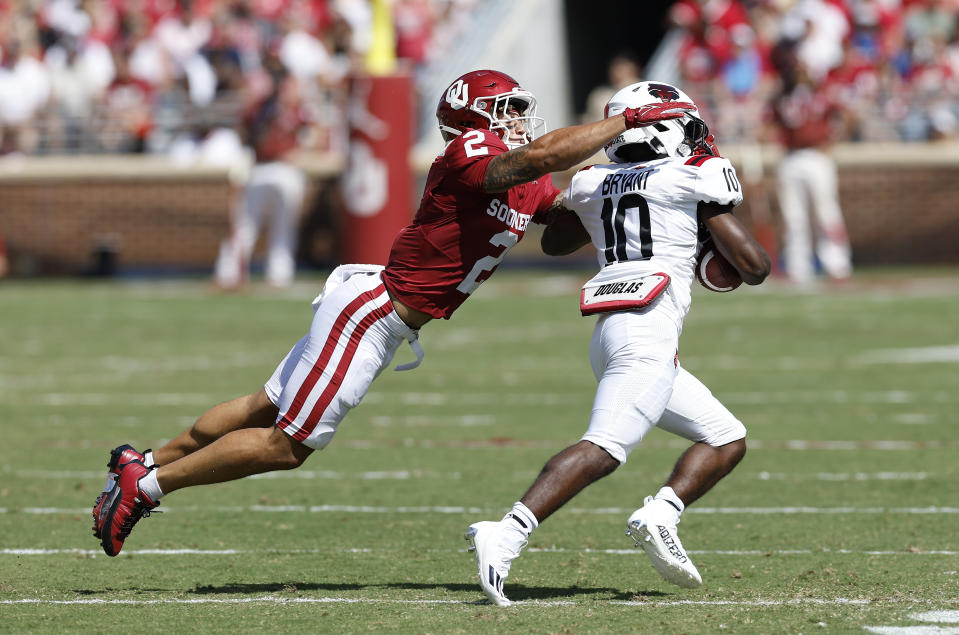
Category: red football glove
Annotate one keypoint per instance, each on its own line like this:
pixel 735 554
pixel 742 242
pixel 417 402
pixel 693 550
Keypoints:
pixel 651 113
pixel 710 144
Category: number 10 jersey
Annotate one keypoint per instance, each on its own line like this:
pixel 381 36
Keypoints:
pixel 642 217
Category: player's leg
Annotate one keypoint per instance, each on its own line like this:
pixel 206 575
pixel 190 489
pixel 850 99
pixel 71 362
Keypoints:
pixel 718 446
pixel 233 456
pixel 719 438
pixel 354 334
pixel 281 262
pixel 232 266
pixel 632 355
pixel 797 233
pixel 832 241
pixel 634 362
pixel 497 544
pixel 250 411
pixel 565 475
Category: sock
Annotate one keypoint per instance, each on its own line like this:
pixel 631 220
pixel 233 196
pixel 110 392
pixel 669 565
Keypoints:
pixel 522 519
pixel 150 486
pixel 148 458
pixel 667 494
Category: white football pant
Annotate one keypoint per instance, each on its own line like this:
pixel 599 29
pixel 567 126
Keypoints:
pixel 809 185
pixel 274 192
pixel 353 337
pixel 641 385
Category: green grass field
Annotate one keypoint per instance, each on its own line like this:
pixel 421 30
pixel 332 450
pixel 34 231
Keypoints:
pixel 843 517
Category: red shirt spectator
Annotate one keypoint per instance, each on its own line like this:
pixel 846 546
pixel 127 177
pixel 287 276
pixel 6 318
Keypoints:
pixel 414 28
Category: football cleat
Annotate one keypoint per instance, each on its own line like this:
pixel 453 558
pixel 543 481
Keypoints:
pixel 118 509
pixel 652 528
pixel 119 457
pixel 122 455
pixel 495 552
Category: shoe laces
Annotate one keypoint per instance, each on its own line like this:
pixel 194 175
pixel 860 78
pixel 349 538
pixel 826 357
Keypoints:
pixel 140 510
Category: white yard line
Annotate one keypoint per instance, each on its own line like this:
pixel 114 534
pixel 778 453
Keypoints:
pixel 943 617
pixel 454 509
pixel 272 599
pixel 561 550
pixel 843 476
pixel 913 630
pixel 798 445
pixel 484 398
pixel 935 617
pixel 308 475
pixel 927 355
pixel 407 475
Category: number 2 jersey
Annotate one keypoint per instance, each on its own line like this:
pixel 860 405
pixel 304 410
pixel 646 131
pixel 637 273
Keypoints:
pixel 642 217
pixel 461 232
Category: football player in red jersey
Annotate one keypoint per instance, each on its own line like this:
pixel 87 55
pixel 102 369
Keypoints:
pixel 481 193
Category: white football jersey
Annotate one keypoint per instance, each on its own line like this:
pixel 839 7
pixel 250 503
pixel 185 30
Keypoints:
pixel 642 217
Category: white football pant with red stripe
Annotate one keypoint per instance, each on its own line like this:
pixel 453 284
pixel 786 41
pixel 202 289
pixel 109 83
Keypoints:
pixel 354 335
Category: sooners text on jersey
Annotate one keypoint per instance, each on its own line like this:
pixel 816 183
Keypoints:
pixel 461 232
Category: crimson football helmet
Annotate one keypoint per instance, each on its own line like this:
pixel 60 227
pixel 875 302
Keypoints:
pixel 674 138
pixel 492 101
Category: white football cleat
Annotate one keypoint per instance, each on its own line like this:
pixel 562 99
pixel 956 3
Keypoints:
pixel 495 552
pixel 653 528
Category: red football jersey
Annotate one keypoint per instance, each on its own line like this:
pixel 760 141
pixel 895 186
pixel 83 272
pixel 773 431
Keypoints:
pixel 460 232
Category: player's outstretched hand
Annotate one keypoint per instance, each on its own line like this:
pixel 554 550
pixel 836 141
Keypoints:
pixel 709 145
pixel 651 113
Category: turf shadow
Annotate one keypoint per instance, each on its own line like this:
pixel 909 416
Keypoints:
pixel 516 591
pixel 520 592
pixel 276 587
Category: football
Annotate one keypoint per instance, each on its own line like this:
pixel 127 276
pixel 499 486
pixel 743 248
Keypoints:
pixel 714 272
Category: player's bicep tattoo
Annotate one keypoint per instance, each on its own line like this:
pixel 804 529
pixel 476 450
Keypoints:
pixel 509 170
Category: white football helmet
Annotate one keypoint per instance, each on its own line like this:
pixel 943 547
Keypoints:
pixel 673 138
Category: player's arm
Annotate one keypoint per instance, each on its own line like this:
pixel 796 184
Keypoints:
pixel 562 149
pixel 564 232
pixel 735 242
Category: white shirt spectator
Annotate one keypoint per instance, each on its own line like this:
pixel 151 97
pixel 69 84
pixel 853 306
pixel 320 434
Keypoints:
pixel 149 62
pixel 359 15
pixel 220 147
pixel 77 81
pixel 305 56
pixel 821 28
pixel 24 89
pixel 67 17
pixel 183 40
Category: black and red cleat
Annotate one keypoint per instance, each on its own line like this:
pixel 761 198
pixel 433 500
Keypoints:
pixel 122 455
pixel 118 510
pixel 119 457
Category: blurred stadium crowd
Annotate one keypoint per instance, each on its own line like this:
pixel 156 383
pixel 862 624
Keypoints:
pixel 890 66
pixel 88 76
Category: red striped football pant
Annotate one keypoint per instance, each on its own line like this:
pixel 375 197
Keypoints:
pixel 354 335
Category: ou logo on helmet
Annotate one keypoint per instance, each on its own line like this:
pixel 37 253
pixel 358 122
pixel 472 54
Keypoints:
pixel 457 95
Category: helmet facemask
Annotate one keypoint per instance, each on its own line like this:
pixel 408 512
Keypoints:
pixel 509 110
pixel 680 137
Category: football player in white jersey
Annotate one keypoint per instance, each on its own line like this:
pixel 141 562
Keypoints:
pixel 647 215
